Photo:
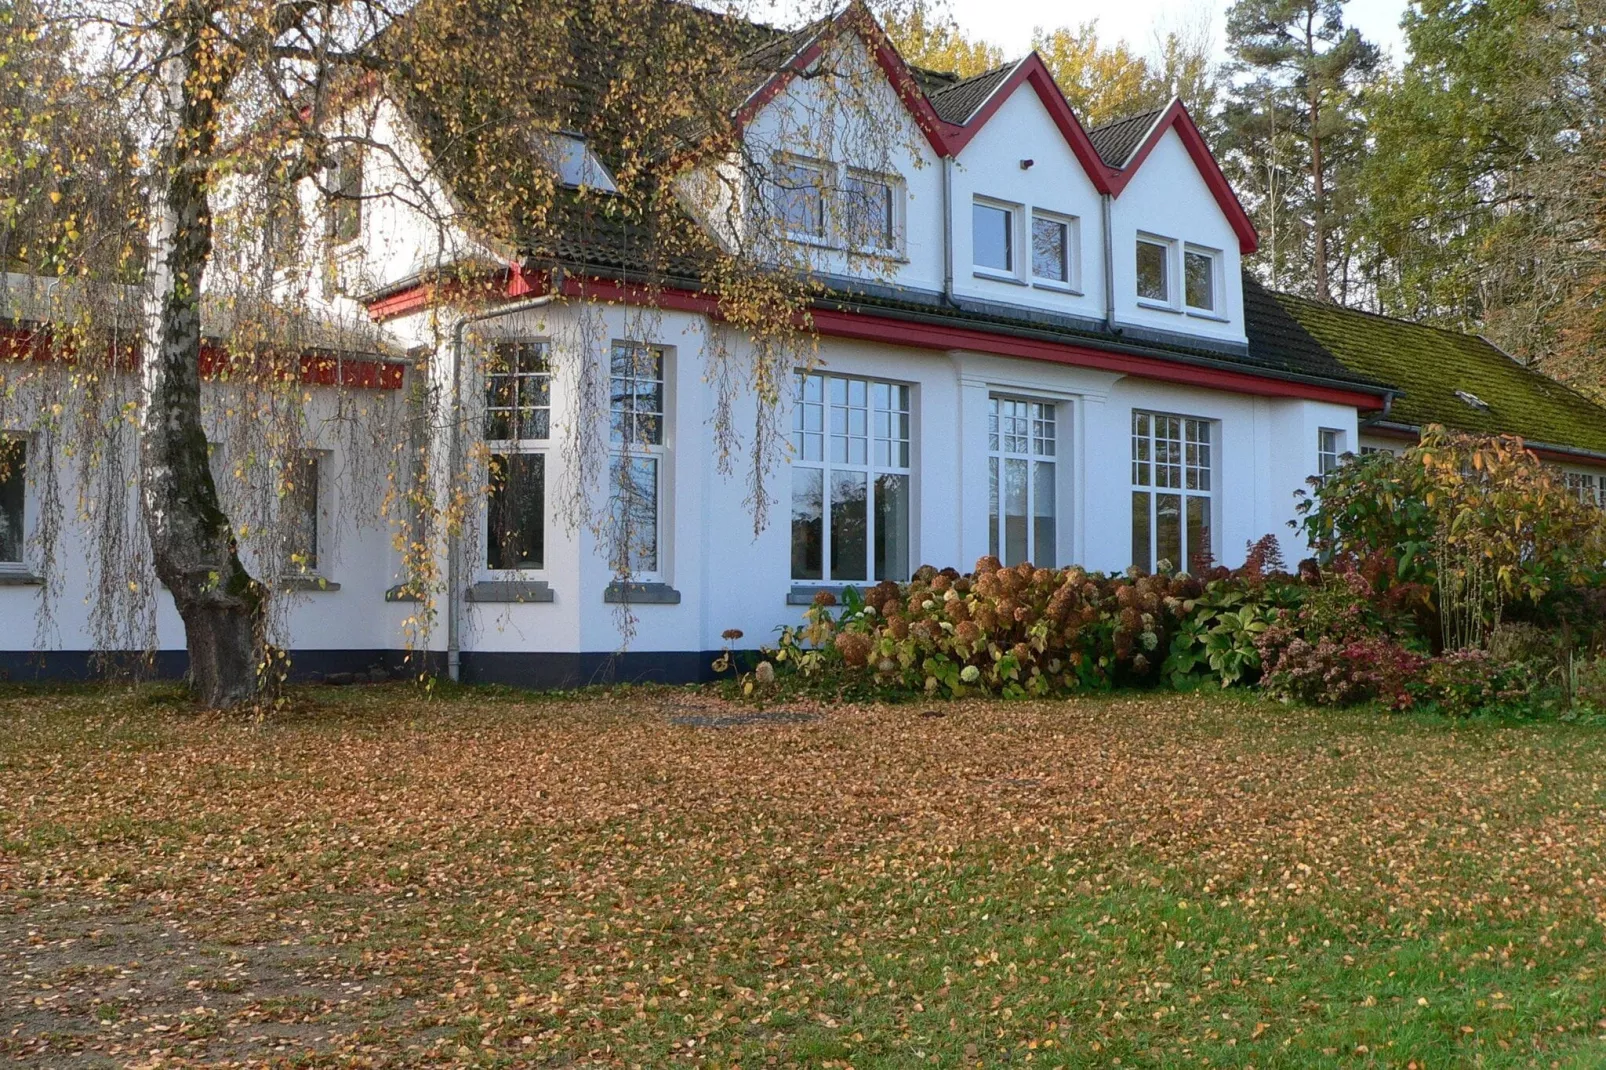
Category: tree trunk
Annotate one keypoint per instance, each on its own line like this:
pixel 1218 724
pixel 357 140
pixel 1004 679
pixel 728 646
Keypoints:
pixel 192 541
pixel 1318 180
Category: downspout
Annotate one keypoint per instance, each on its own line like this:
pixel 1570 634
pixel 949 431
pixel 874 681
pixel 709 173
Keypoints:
pixel 948 229
pixel 454 568
pixel 1109 266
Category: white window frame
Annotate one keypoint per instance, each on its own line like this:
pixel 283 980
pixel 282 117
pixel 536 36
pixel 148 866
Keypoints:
pixel 1072 283
pixel 1169 246
pixel 826 465
pixel 322 514
pixel 1329 450
pixel 1368 451
pixel 541 447
pixel 1187 469
pixel 620 451
pixel 1587 487
pixel 21 564
pixel 1212 311
pixel 826 171
pixel 895 188
pixel 1034 455
pixel 1017 247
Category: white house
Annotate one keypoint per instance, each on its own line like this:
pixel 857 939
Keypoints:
pixel 1047 355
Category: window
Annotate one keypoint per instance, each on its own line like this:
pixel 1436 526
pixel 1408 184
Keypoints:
pixel 13 485
pixel 850 480
pixel 300 507
pixel 798 198
pixel 1021 476
pixel 1199 279
pixel 1329 448
pixel 345 196
pixel 870 212
pixel 636 429
pixel 518 425
pixel 1373 451
pixel 993 237
pixel 1154 270
pixel 1171 491
pixel 1052 249
pixel 1587 488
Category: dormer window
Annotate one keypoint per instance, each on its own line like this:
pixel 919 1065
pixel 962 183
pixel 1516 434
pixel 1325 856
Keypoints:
pixel 993 237
pixel 1054 243
pixel 572 160
pixel 870 212
pixel 1154 270
pixel 798 198
pixel 1199 279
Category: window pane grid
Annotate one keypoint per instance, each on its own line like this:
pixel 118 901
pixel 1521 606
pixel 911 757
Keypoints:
pixel 518 401
pixel 1171 490
pixel 637 394
pixel 1021 481
pixel 850 482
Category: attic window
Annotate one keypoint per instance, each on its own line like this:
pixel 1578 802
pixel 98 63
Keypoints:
pixel 576 165
pixel 1472 399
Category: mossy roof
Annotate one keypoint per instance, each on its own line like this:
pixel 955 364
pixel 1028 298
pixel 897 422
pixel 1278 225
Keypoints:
pixel 1428 365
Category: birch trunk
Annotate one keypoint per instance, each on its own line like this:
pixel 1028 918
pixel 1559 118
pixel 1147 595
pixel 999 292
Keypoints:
pixel 192 541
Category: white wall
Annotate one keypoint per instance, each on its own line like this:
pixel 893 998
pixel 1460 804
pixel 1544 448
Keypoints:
pixel 990 167
pixel 1167 197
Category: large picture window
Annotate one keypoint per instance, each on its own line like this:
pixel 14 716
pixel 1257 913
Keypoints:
pixel 1021 481
pixel 518 429
pixel 13 497
pixel 1172 491
pixel 636 429
pixel 850 480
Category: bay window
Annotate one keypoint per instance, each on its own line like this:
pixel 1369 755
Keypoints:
pixel 1021 481
pixel 636 431
pixel 850 480
pixel 1172 491
pixel 518 431
pixel 13 486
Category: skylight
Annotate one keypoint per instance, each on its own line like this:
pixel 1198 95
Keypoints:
pixel 577 166
pixel 1472 399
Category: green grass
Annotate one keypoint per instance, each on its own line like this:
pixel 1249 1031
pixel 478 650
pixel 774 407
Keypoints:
pixel 1156 880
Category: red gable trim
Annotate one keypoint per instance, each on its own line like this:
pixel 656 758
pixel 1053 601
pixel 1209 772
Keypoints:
pixel 1034 72
pixel 856 18
pixel 1176 118
pixel 867 326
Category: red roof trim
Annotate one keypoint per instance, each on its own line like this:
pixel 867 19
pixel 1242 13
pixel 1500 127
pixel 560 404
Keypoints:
pixel 1034 72
pixel 1176 118
pixel 867 326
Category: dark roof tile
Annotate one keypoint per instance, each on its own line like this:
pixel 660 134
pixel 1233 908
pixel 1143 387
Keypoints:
pixel 1116 142
pixel 961 100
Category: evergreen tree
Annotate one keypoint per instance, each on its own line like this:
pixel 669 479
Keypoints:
pixel 1294 136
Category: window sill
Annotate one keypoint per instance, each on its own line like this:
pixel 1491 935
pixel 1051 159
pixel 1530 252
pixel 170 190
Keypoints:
pixel 402 593
pixel 1057 287
pixel 19 578
pixel 510 591
pixel 1158 306
pixel 803 594
pixel 641 594
pixel 999 276
pixel 306 583
pixel 1206 314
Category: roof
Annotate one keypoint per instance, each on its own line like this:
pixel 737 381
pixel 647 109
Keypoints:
pixel 1432 367
pixel 958 102
pixel 1117 141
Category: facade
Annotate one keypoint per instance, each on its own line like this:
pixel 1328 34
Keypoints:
pixel 1052 355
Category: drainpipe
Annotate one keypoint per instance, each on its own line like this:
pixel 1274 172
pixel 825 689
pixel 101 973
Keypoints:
pixel 1109 266
pixel 454 580
pixel 948 229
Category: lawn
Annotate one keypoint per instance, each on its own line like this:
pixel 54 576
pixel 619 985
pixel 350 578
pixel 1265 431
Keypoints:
pixel 651 878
